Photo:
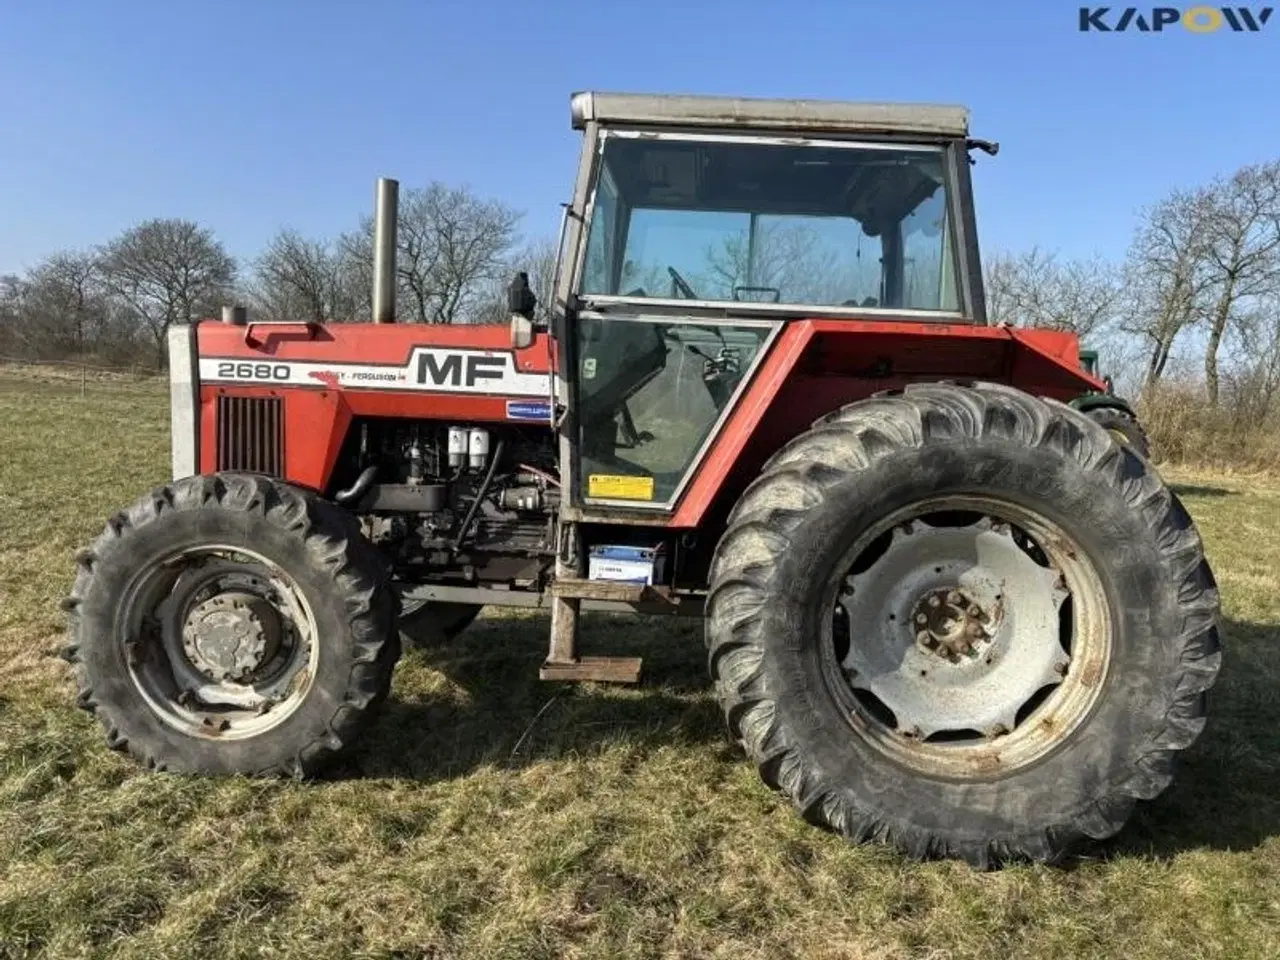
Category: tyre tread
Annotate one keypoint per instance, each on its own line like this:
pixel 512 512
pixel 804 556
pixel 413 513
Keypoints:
pixel 358 574
pixel 800 474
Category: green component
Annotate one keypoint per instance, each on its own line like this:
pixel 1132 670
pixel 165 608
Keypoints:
pixel 1089 362
pixel 1094 399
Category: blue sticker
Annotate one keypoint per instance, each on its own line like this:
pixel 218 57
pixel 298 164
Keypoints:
pixel 528 410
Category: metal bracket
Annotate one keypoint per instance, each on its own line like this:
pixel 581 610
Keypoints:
pixel 312 328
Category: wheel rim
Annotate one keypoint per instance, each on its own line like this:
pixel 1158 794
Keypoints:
pixel 219 641
pixel 971 637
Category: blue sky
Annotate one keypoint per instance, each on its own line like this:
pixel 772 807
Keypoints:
pixel 251 115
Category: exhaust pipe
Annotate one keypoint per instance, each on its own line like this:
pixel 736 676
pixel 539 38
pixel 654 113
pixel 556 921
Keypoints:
pixel 385 212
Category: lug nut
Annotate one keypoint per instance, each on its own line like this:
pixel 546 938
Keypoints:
pixel 934 601
pixel 975 610
pixel 924 637
pixel 922 618
pixel 953 596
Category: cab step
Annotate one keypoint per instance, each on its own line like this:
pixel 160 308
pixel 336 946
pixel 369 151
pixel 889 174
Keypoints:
pixel 612 590
pixel 599 669
pixel 567 596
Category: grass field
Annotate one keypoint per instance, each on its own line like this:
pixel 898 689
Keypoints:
pixel 490 816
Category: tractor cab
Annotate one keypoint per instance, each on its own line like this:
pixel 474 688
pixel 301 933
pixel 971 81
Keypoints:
pixel 699 225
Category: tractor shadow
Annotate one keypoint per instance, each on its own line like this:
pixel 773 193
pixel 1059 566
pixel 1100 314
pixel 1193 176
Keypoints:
pixel 1224 794
pixel 1196 490
pixel 478 701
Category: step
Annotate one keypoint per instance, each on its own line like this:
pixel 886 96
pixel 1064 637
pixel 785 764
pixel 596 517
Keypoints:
pixel 611 590
pixel 599 669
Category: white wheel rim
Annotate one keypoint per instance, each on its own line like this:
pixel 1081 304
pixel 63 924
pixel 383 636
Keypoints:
pixel 978 636
pixel 184 685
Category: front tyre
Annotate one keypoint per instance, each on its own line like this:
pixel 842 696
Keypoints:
pixel 961 620
pixel 1124 427
pixel 231 624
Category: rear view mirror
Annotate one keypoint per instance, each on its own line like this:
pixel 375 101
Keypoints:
pixel 520 298
pixel 521 332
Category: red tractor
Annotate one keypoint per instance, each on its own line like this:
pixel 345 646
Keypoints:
pixel 944 608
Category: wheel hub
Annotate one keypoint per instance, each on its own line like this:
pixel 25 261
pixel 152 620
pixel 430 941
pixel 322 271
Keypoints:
pixel 951 624
pixel 953 629
pixel 231 636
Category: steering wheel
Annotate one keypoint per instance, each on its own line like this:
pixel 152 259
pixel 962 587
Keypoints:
pixel 682 284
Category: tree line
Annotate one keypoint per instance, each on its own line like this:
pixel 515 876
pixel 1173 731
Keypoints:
pixel 115 302
pixel 1187 319
pixel 1196 298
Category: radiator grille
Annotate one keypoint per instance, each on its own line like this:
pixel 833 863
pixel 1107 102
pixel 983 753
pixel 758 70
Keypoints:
pixel 250 435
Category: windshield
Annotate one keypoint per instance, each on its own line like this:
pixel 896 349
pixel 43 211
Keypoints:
pixel 739 220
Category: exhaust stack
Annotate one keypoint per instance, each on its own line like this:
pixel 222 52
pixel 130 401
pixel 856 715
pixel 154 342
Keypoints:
pixel 385 214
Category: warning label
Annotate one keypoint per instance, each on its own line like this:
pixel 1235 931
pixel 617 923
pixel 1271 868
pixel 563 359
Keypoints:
pixel 607 486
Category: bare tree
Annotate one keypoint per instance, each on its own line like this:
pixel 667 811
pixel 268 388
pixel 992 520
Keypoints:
pixel 1241 239
pixel 453 246
pixel 167 272
pixel 1036 289
pixel 67 302
pixel 1164 276
pixel 12 299
pixel 1253 380
pixel 300 279
pixel 60 307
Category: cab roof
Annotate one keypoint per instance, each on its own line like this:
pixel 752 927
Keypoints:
pixel 800 116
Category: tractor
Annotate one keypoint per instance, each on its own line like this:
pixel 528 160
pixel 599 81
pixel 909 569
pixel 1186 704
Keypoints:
pixel 944 608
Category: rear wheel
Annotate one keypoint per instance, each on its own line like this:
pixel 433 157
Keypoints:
pixel 231 624
pixel 962 621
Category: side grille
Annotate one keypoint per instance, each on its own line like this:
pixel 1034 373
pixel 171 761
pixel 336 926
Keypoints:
pixel 251 435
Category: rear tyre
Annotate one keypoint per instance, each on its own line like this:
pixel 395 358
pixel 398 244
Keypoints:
pixel 231 624
pixel 962 621
pixel 1124 427
pixel 425 624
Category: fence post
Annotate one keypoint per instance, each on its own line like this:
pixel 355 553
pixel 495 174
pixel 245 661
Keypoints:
pixel 83 370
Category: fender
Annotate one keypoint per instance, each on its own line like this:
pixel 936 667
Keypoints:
pixel 817 366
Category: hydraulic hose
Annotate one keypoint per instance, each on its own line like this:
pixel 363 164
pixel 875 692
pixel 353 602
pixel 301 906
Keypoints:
pixel 359 488
pixel 480 495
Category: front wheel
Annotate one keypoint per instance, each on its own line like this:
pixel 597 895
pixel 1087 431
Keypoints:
pixel 961 620
pixel 231 624
pixel 1124 427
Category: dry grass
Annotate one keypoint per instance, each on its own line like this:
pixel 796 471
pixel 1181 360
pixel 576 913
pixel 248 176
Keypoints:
pixel 1184 430
pixel 73 379
pixel 625 825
